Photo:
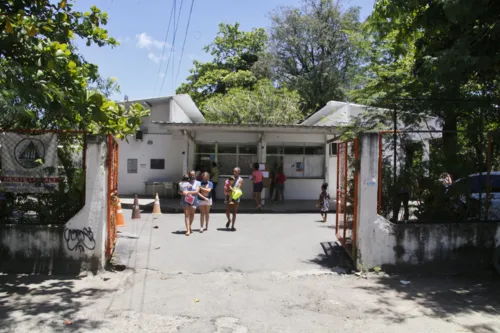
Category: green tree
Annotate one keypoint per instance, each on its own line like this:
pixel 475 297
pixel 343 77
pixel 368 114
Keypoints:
pixel 313 52
pixel 443 57
pixel 44 81
pixel 262 104
pixel 235 53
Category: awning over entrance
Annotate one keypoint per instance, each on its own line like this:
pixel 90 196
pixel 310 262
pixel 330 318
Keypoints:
pixel 255 128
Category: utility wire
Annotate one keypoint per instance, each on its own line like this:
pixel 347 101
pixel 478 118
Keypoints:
pixel 184 43
pixel 164 46
pixel 176 26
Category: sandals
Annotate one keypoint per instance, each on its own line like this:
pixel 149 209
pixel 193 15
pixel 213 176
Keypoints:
pixel 227 225
pixel 233 229
pixel 188 233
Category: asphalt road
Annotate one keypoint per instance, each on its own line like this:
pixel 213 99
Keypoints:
pixel 271 275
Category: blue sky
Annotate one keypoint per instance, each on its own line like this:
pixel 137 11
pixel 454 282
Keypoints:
pixel 141 25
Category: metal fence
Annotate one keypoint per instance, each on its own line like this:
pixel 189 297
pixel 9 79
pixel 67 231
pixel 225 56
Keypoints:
pixel 425 179
pixel 42 176
pixel 347 199
pixel 112 165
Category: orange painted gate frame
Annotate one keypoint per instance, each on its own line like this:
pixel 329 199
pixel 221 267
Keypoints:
pixel 343 165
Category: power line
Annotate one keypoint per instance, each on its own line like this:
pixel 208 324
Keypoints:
pixel 173 51
pixel 164 46
pixel 176 26
pixel 184 43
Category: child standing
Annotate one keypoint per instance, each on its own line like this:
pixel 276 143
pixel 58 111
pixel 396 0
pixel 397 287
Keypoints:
pixel 228 189
pixel 324 201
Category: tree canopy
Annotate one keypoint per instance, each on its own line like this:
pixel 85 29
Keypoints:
pixel 313 52
pixel 45 82
pixel 439 58
pixel 234 53
pixel 262 104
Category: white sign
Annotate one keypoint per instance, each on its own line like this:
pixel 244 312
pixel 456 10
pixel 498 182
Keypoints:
pixel 29 163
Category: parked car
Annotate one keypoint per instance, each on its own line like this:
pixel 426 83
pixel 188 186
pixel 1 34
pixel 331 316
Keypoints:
pixel 472 195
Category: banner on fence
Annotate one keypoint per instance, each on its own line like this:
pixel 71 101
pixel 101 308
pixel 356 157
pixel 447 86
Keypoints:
pixel 29 163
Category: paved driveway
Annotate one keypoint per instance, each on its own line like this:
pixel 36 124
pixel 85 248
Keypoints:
pixel 269 276
pixel 262 242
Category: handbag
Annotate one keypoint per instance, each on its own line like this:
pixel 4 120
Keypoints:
pixel 237 193
pixel 189 199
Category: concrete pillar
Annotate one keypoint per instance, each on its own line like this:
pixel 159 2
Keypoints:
pixel 367 194
pixel 90 223
pixel 185 155
pixel 261 157
pixel 426 155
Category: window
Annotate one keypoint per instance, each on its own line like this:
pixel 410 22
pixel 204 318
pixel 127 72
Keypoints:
pixel 316 150
pixel 157 164
pixel 205 149
pixel 274 150
pixel 205 155
pixel 247 150
pixel 299 161
pixel 231 156
pixel 333 148
pixel 294 150
pixel 227 149
pixel 132 165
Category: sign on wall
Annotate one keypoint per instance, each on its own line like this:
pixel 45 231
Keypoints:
pixel 29 163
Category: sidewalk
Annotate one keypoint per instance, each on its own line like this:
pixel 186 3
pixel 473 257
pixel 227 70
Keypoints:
pixel 169 205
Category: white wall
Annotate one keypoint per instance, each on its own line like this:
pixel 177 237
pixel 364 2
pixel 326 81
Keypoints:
pixel 332 176
pixel 159 112
pixel 382 243
pixel 177 115
pixel 162 147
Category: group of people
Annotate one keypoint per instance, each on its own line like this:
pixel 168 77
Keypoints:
pixel 199 191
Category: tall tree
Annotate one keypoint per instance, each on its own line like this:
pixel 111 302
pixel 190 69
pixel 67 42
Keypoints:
pixel 45 82
pixel 313 52
pixel 444 56
pixel 234 54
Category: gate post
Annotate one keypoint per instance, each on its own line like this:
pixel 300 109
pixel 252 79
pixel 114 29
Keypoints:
pixel 367 194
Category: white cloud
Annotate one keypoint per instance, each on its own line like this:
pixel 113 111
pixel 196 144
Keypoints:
pixel 154 58
pixel 144 41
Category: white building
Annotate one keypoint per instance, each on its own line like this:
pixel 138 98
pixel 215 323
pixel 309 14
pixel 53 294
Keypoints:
pixel 175 139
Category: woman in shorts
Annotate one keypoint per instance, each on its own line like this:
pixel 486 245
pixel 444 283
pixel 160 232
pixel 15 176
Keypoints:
pixel 189 188
pixel 205 200
pixel 258 185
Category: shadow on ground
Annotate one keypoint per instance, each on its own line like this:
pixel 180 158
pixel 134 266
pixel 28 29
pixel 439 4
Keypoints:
pixel 441 297
pixel 45 300
pixel 334 257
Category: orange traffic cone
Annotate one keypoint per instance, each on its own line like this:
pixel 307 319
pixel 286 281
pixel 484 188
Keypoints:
pixel 156 207
pixel 120 222
pixel 136 212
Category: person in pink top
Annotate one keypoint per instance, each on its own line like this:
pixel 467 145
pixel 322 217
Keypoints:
pixel 258 185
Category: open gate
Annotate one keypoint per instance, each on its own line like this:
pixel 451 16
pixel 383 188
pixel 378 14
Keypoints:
pixel 347 195
pixel 112 165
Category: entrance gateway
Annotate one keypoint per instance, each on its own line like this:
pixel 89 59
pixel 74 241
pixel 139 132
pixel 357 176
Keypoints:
pixel 346 219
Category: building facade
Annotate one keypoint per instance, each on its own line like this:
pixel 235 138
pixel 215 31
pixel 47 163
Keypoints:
pixel 175 139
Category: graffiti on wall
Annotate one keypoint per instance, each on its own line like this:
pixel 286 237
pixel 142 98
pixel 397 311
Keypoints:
pixel 79 239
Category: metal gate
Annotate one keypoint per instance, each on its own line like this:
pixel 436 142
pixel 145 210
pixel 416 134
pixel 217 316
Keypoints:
pixel 347 195
pixel 112 164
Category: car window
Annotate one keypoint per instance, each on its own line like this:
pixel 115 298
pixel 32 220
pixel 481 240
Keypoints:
pixel 495 183
pixel 476 184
